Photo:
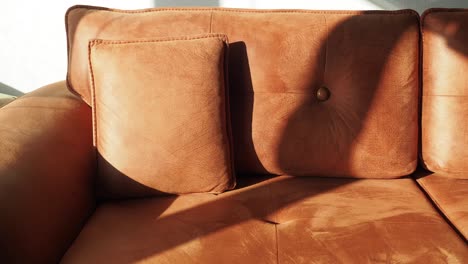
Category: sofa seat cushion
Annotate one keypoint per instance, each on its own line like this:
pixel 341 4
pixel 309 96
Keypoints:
pixel 275 220
pixel 450 195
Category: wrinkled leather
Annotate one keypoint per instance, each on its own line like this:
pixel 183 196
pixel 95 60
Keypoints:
pixel 445 93
pixel 160 116
pixel 450 195
pixel 46 171
pixel 280 220
pixel 278 59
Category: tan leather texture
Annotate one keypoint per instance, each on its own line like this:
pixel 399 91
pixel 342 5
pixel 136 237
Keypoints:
pixel 46 171
pixel 279 220
pixel 161 116
pixel 450 195
pixel 445 92
pixel 278 61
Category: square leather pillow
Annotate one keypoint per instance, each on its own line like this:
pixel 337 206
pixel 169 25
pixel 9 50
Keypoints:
pixel 160 113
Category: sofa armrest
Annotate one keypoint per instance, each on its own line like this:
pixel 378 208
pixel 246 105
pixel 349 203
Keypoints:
pixel 47 164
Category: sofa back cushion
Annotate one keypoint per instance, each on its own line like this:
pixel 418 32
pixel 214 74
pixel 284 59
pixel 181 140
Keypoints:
pixel 160 116
pixel 445 91
pixel 319 93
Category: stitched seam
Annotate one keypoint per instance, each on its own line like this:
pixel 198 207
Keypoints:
pixel 68 46
pixel 338 12
pixel 221 37
pixel 434 201
pixel 232 179
pixel 68 49
pixel 420 92
pixel 93 95
pixel 227 113
pixel 443 95
pixel 211 21
pixel 93 108
pixel 437 168
pixel 307 92
pixel 68 82
pixel 271 207
pixel 277 244
pixel 272 92
pixel 422 53
pixel 342 12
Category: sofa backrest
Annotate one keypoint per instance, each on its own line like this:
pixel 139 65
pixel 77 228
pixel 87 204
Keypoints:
pixel 445 91
pixel 319 93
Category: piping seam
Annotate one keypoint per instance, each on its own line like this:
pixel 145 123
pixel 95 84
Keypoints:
pixel 277 244
pixel 233 10
pixel 211 21
pixel 221 37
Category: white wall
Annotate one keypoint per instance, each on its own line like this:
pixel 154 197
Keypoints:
pixel 33 42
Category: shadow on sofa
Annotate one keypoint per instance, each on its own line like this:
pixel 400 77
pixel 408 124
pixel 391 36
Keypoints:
pixel 335 139
pixel 252 201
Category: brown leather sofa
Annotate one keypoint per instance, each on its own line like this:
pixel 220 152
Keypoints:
pixel 331 113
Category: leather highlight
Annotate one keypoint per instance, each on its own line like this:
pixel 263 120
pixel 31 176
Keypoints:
pixel 445 93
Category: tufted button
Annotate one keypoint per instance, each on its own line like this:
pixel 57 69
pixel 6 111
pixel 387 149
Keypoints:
pixel 322 94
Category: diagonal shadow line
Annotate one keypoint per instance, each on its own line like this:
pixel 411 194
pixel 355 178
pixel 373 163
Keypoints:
pixel 259 198
pixel 261 201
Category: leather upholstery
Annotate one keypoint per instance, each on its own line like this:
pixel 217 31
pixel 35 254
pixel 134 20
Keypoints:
pixel 445 91
pixel 278 60
pixel 450 195
pixel 46 171
pixel 48 164
pixel 279 220
pixel 278 122
pixel 161 116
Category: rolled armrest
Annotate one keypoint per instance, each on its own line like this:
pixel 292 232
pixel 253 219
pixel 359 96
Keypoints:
pixel 47 164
